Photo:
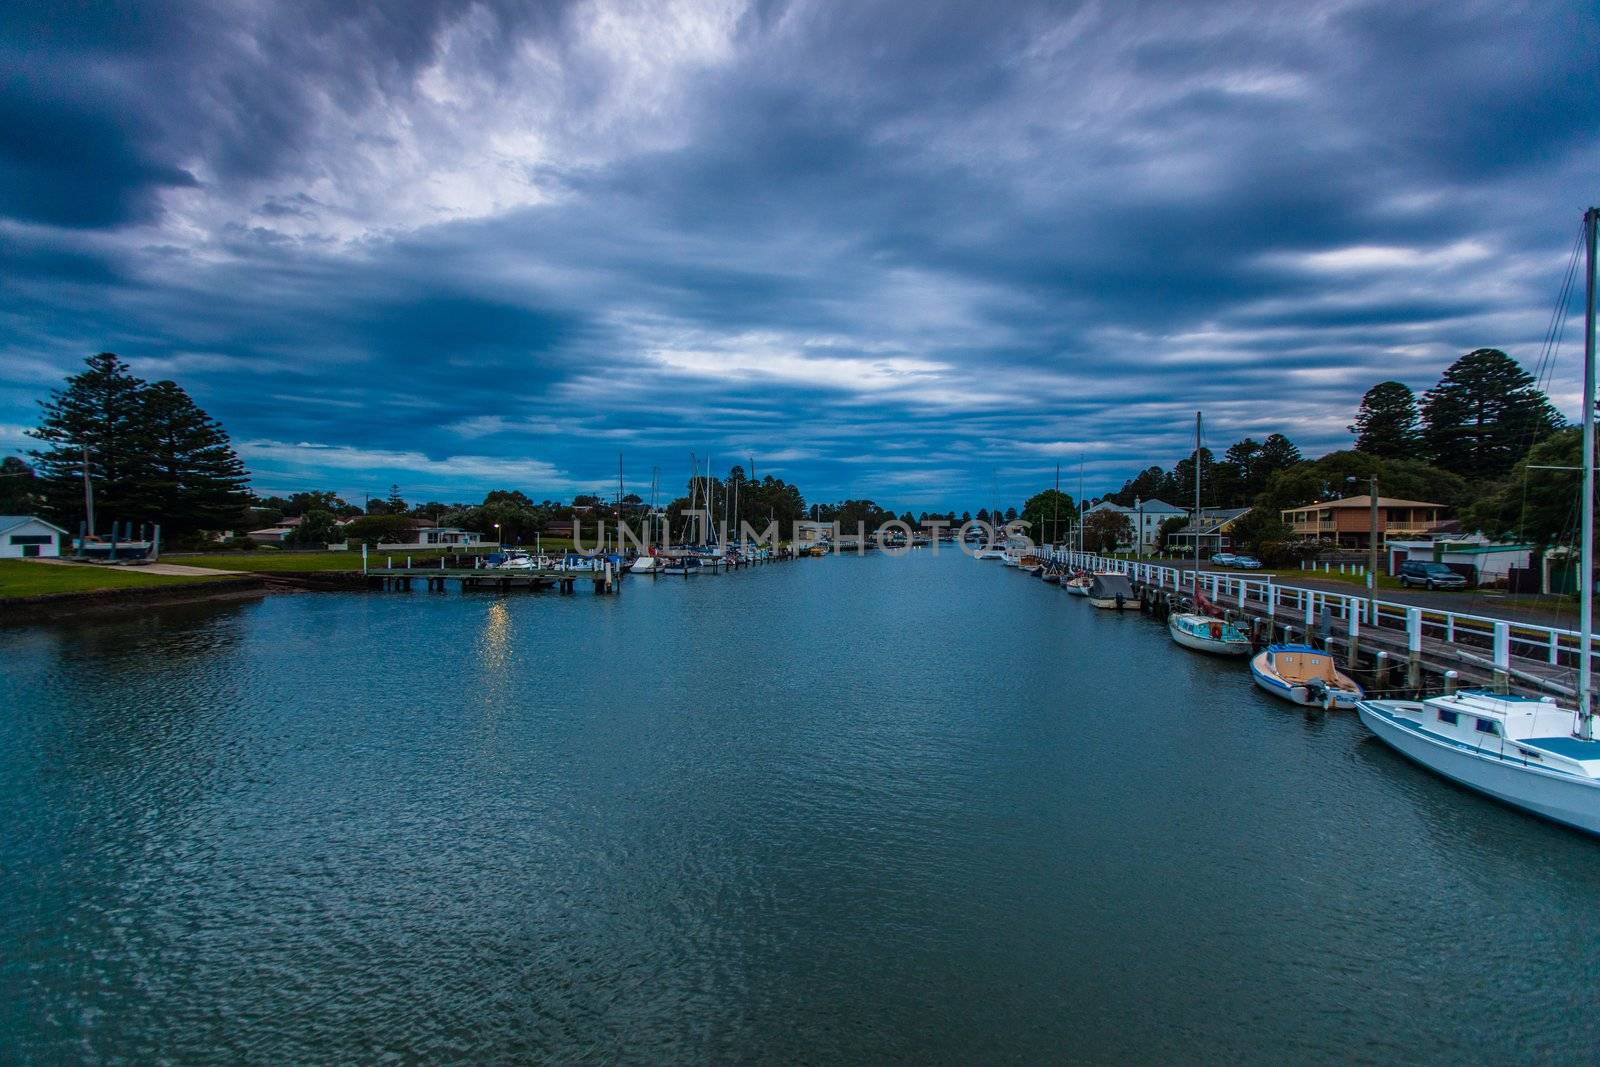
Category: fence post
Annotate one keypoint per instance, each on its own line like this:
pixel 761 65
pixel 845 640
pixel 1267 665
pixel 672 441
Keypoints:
pixel 1414 647
pixel 1272 599
pixel 1502 656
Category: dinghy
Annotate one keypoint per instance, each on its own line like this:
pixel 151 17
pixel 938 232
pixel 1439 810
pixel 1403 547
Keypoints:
pixel 1304 675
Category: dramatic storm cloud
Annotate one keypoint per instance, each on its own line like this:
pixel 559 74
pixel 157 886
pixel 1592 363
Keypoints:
pixel 917 252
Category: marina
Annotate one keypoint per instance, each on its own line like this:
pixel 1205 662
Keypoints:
pixel 1418 645
pixel 925 842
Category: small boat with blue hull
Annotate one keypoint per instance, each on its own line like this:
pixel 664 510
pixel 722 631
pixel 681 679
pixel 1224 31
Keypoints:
pixel 1518 750
pixel 1204 633
pixel 1304 675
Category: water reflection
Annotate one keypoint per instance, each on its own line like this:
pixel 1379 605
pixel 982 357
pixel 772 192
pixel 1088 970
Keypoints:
pixel 495 639
pixel 759 815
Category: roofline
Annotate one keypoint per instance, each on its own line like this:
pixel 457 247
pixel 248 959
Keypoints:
pixel 34 518
pixel 1366 502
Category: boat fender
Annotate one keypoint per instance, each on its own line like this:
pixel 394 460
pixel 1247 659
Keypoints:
pixel 1119 601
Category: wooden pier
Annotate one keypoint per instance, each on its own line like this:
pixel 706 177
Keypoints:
pixel 1398 648
pixel 436 579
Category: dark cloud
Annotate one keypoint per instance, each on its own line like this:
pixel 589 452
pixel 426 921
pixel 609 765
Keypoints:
pixel 920 252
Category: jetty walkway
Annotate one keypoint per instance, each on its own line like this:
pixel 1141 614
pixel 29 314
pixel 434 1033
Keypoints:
pixel 1413 640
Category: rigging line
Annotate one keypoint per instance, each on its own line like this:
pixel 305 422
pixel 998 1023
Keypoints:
pixel 1556 329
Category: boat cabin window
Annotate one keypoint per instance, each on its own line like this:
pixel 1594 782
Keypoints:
pixel 1450 717
pixel 1488 726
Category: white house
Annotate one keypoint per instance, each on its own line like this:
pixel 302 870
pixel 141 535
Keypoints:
pixel 1491 561
pixel 29 535
pixel 1146 516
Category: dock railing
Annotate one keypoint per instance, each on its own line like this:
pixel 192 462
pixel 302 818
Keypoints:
pixel 1500 644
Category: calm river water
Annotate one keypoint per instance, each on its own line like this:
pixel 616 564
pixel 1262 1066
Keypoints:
pixel 918 808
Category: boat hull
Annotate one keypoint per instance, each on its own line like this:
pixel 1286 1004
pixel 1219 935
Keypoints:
pixel 1113 603
pixel 1075 589
pixel 1299 694
pixel 1215 646
pixel 1561 798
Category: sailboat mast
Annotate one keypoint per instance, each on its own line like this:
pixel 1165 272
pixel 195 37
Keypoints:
pixel 1055 519
pixel 1586 724
pixel 1080 504
pixel 1197 505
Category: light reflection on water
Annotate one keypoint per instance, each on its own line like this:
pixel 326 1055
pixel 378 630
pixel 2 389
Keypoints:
pixel 860 809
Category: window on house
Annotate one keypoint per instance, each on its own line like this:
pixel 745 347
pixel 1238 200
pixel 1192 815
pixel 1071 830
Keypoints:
pixel 1488 726
pixel 31 539
pixel 1450 717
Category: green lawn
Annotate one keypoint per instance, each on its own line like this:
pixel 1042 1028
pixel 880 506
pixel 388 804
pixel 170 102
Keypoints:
pixel 270 561
pixel 20 577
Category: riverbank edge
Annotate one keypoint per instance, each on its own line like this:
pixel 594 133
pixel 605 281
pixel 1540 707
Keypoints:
pixel 52 607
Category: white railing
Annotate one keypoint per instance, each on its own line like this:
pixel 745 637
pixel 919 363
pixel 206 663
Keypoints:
pixel 1498 639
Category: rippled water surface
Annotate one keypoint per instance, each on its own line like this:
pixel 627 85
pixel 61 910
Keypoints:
pixel 923 809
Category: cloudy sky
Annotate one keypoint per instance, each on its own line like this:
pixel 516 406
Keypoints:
pixel 914 251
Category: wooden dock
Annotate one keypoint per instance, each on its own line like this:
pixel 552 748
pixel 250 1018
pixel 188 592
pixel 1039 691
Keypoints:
pixel 436 579
pixel 1399 648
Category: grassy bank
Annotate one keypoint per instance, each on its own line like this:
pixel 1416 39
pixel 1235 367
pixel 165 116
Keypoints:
pixel 280 561
pixel 24 578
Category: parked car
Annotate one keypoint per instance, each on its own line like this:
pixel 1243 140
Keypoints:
pixel 1223 559
pixel 1249 563
pixel 1432 575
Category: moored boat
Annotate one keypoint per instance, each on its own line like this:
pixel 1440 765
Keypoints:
pixel 1205 633
pixel 1519 750
pixel 1203 629
pixel 1112 590
pixel 1530 753
pixel 1304 675
pixel 1078 584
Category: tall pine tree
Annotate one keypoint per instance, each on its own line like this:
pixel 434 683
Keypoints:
pixel 1484 415
pixel 1387 423
pixel 193 479
pixel 153 455
pixel 94 421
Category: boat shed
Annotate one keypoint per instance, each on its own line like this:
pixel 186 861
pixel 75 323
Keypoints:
pixel 29 536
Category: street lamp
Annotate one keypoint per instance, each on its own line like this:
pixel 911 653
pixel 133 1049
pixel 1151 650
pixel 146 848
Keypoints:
pixel 497 542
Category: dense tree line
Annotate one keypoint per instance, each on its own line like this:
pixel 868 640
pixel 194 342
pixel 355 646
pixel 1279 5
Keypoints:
pixel 1479 442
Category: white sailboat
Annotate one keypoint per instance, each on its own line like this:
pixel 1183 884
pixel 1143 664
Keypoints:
pixel 1199 629
pixel 1531 754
